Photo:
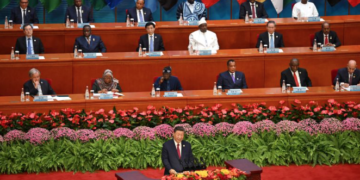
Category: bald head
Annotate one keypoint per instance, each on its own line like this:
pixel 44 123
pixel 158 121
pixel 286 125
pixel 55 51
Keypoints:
pixel 294 64
pixel 351 66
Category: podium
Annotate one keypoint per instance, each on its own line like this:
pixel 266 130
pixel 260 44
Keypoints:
pixel 253 172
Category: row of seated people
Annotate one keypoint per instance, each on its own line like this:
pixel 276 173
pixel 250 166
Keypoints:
pixel 190 10
pixel 230 79
pixel 198 40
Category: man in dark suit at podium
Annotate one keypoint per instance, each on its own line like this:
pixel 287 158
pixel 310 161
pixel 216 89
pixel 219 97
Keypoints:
pixel 29 44
pixel 327 37
pixel 271 38
pixel 79 13
pixel 250 6
pixel 151 41
pixel 349 75
pixel 175 151
pixel 295 76
pixel 140 13
pixel 37 86
pixel 24 14
pixel 88 42
pixel 232 79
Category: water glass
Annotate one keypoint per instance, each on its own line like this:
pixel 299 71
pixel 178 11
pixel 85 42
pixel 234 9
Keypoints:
pixel 157 92
pixel 71 23
pixel 219 90
pixel 342 86
pixel 11 24
pixel 265 48
pixel 80 54
pixel 17 55
pixel 144 52
pixel 319 46
pixel 288 88
pixel 91 94
pixel 27 96
pixel 132 22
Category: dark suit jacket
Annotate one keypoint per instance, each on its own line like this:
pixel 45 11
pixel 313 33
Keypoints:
pixel 260 10
pixel 146 11
pixel 175 84
pixel 21 45
pixel 226 82
pixel 45 87
pixel 333 38
pixel 96 44
pixel 87 16
pixel 264 37
pixel 170 158
pixel 30 17
pixel 343 76
pixel 158 42
pixel 289 78
pixel 97 88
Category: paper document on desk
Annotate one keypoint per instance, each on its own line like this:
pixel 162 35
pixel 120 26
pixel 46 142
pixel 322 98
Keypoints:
pixel 36 27
pixel 99 54
pixel 266 20
pixel 180 95
pixel 321 19
pixel 347 89
pixel 281 51
pixel 92 26
pixel 41 57
pixel 62 98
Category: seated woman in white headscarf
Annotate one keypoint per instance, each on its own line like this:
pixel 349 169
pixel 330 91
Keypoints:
pixel 106 83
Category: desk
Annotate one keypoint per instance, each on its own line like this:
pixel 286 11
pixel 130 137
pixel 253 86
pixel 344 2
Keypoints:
pixel 232 34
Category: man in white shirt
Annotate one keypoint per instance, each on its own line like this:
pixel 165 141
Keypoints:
pixel 295 76
pixel 304 9
pixel 203 39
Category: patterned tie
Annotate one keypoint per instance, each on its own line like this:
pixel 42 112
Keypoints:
pixel 23 17
pixel 350 79
pixel 296 80
pixel 233 77
pixel 151 44
pixel 326 39
pixel 29 48
pixel 178 150
pixel 272 41
pixel 141 16
pixel 253 11
pixel 78 15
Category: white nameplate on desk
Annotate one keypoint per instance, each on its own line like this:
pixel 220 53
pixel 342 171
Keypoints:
pixel 299 89
pixel 234 92
pixel 141 24
pixel 106 96
pixel 272 50
pixel 204 52
pixel 32 56
pixel 81 25
pixel 193 23
pixel 89 55
pixel 313 19
pixel 328 49
pixel 259 20
pixel 155 54
pixel 354 88
pixel 40 98
pixel 170 94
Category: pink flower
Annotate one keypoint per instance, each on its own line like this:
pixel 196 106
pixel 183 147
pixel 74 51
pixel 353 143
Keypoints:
pixel 297 101
pixel 281 102
pixel 111 121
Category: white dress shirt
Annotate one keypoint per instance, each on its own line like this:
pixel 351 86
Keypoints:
pixel 77 12
pixel 297 75
pixel 32 44
pixel 203 41
pixel 191 6
pixel 252 9
pixel 179 146
pixel 140 13
pixel 306 10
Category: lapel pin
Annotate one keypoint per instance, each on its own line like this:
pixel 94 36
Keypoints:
pixel 155 36
pixel 34 40
pixel 93 39
pixel 330 37
pixel 256 5
pixel 184 145
pixel 28 10
pixel 82 11
pixel 237 78
pixel 299 72
pixel 144 13
pixel 276 36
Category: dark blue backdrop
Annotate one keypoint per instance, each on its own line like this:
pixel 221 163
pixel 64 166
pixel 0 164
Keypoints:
pixel 221 10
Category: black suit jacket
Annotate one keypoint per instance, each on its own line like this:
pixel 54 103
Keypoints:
pixel 170 158
pixel 158 42
pixel 146 11
pixel 264 37
pixel 343 76
pixel 289 78
pixel 333 38
pixel 30 17
pixel 96 44
pixel 87 16
pixel 226 82
pixel 45 87
pixel 259 8
pixel 21 45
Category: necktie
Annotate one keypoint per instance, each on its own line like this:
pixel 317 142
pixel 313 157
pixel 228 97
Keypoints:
pixel 29 48
pixel 271 41
pixel 23 17
pixel 253 11
pixel 233 77
pixel 151 44
pixel 326 39
pixel 296 80
pixel 178 150
pixel 350 79
pixel 78 15
pixel 141 16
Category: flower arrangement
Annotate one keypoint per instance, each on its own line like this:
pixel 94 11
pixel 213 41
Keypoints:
pixel 243 128
pixel 123 132
pixel 286 126
pixel 330 126
pixel 104 134
pixel 37 135
pixel 143 132
pixel 164 131
pixel 223 174
pixel 224 128
pixel 63 132
pixel 85 135
pixel 309 125
pixel 187 127
pixel 15 135
pixel 1 139
pixel 204 129
pixel 351 124
pixel 265 125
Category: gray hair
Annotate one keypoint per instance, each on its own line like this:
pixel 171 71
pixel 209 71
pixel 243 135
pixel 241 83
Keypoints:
pixel 33 71
pixel 108 72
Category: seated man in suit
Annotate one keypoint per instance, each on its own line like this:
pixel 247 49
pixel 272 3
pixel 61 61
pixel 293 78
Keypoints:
pixel 250 6
pixel 24 14
pixel 295 76
pixel 271 38
pixel 349 75
pixel 37 86
pixel 304 9
pixel 327 37
pixel 174 151
pixel 203 39
pixel 151 41
pixel 79 13
pixel 88 42
pixel 166 82
pixel 231 79
pixel 29 44
pixel 140 13
pixel 106 83
pixel 191 10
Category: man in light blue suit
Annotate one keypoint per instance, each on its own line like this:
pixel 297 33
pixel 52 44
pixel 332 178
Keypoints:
pixel 88 42
pixel 79 13
pixel 232 79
